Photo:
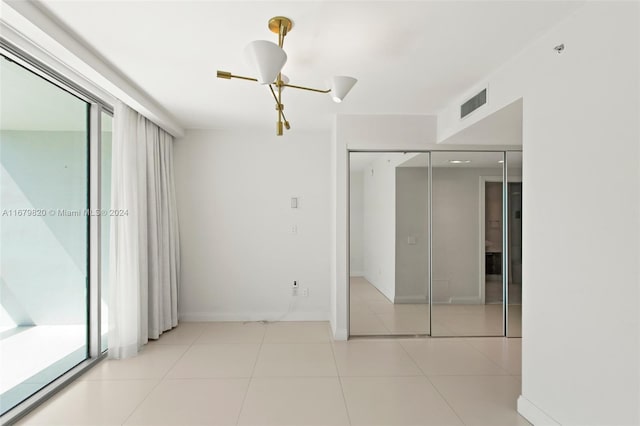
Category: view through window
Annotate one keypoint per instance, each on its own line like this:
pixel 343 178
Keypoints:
pixel 44 230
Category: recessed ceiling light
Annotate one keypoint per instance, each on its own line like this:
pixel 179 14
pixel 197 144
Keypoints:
pixel 500 161
pixel 459 161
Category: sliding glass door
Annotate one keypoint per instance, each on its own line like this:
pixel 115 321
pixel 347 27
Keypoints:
pixel 48 225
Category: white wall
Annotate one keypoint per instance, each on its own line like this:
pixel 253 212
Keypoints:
pixel 356 223
pixel 581 355
pixel 338 246
pixel 239 254
pixel 412 267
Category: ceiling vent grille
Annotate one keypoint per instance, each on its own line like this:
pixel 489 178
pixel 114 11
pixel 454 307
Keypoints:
pixel 473 104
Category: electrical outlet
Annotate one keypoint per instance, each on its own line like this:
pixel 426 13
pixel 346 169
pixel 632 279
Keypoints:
pixel 304 292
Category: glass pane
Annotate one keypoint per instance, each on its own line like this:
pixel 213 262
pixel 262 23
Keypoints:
pixel 43 232
pixel 514 208
pixel 467 244
pixel 389 292
pixel 105 222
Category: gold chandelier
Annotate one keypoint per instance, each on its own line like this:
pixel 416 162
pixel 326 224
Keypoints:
pixel 268 59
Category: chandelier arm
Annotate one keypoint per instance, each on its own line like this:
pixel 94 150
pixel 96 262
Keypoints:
pixel 293 86
pixel 229 76
pixel 274 94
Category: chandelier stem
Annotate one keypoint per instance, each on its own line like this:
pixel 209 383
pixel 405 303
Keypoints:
pixel 280 109
pixel 280 100
pixel 282 32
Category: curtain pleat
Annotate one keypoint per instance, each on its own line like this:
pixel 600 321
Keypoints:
pixel 145 253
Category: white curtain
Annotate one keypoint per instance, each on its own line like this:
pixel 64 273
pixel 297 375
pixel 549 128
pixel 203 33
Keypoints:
pixel 145 255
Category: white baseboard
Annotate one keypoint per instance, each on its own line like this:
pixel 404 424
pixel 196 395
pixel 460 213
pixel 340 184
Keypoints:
pixel 533 414
pixel 353 273
pixel 468 300
pixel 254 316
pixel 412 299
pixel 340 334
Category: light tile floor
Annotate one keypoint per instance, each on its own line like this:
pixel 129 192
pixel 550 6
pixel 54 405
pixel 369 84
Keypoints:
pixel 294 374
pixel 371 313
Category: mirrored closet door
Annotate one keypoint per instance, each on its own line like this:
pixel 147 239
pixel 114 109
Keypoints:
pixel 389 244
pixel 467 223
pixel 435 243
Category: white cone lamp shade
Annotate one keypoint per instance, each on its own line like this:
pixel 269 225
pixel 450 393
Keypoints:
pixel 267 58
pixel 340 86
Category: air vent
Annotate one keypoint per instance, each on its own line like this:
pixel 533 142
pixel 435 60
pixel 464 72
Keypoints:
pixel 473 104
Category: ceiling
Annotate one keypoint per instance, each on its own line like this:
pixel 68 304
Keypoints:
pixel 409 57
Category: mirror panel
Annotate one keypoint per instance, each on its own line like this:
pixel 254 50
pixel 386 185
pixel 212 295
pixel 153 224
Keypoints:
pixel 467 245
pixel 389 244
pixel 514 238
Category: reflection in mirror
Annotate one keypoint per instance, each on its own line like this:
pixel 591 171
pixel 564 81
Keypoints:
pixel 389 244
pixel 514 253
pixel 467 285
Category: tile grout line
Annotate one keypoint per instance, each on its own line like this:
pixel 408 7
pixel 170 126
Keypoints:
pixel 378 315
pixel 344 398
pixel 487 356
pixel 374 313
pixel 445 399
pixel 161 379
pixel 253 369
pixel 432 384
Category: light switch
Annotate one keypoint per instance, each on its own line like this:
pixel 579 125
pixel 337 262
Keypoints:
pixel 412 240
pixel 294 202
